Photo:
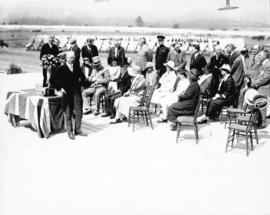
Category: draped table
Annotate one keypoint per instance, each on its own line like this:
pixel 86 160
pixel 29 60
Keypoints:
pixel 45 114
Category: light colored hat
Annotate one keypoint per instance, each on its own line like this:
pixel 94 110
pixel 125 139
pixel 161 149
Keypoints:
pixel 73 41
pixel 86 58
pixel 170 64
pixel 250 95
pixel 134 70
pixel 148 65
pixel 96 61
pixel 226 68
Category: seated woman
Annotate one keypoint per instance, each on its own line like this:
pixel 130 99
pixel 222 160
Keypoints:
pixel 187 102
pixel 151 75
pixel 114 73
pixel 167 82
pixel 123 85
pixel 99 82
pixel 171 98
pixel 132 97
pixel 225 96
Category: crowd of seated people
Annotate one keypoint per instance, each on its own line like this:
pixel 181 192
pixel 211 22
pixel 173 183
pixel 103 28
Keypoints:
pixel 178 86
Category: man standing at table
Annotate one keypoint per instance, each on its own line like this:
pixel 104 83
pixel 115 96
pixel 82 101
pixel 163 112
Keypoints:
pixel 69 78
pixel 48 49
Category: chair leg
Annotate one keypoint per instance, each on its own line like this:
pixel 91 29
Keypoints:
pixel 256 135
pixel 146 118
pixel 196 133
pixel 129 116
pixel 233 136
pixel 150 119
pixel 133 120
pixel 228 140
pixel 251 140
pixel 178 131
pixel 247 143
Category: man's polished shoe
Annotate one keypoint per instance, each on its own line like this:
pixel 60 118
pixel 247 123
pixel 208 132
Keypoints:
pixel 71 136
pixel 112 116
pixel 106 115
pixel 80 133
pixel 203 121
pixel 86 112
pixel 96 113
pixel 162 121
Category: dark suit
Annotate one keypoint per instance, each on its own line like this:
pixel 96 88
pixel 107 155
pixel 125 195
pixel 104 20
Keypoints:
pixel 89 52
pixel 198 63
pixel 118 54
pixel 237 72
pixel 187 102
pixel 227 88
pixel 123 83
pixel 215 63
pixel 77 52
pixel 161 57
pixel 46 49
pixel 71 82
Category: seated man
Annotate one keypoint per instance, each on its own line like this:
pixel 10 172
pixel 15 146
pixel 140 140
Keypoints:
pixel 123 85
pixel 167 82
pixel 225 96
pixel 99 81
pixel 133 97
pixel 262 81
pixel 171 98
pixel 187 102
pixel 86 67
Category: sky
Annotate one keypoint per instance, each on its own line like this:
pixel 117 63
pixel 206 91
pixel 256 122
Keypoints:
pixel 150 10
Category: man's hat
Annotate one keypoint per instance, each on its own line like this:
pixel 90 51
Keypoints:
pixel 73 41
pixel 161 37
pixel 96 61
pixel 134 70
pixel 226 68
pixel 86 58
pixel 170 64
pixel 148 65
pixel 62 55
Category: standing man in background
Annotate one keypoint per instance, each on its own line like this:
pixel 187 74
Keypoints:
pixel 77 51
pixel 144 54
pixel 89 50
pixel 48 49
pixel 197 60
pixel 117 52
pixel 161 56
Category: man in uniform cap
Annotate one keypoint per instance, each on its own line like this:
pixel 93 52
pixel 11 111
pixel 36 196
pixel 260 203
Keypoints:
pixel 161 55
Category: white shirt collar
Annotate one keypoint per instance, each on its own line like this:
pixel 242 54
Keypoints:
pixel 70 66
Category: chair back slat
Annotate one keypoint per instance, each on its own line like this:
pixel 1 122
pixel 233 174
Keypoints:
pixel 146 101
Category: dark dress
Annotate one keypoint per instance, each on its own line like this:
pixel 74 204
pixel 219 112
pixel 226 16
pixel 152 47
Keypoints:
pixel 187 102
pixel 227 89
pixel 71 82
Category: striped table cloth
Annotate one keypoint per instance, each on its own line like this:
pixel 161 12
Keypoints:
pixel 45 114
